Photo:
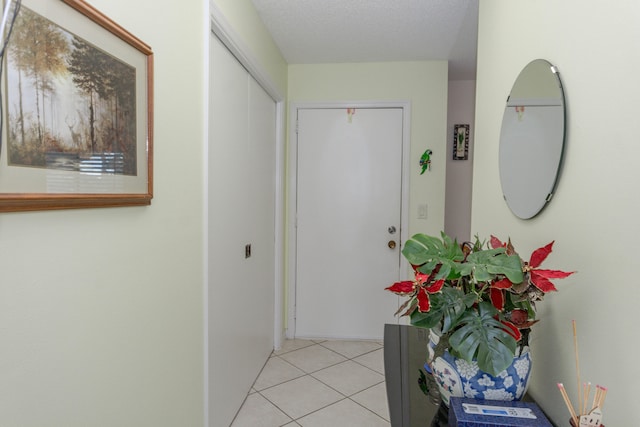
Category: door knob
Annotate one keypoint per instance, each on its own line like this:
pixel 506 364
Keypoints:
pixel 392 244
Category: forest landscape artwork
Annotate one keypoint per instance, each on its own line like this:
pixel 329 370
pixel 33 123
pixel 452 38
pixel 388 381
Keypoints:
pixel 70 105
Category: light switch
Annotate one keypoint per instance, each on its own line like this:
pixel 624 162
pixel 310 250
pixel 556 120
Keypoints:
pixel 422 211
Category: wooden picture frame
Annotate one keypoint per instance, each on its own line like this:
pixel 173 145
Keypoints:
pixel 78 131
pixel 460 142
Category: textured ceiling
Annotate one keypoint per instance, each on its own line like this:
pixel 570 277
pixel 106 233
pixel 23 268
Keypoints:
pixel 321 31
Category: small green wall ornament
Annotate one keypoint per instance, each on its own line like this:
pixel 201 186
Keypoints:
pixel 425 161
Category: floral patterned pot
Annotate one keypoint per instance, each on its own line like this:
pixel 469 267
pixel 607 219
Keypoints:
pixel 459 378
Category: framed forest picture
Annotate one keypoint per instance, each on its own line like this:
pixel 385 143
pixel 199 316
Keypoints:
pixel 77 110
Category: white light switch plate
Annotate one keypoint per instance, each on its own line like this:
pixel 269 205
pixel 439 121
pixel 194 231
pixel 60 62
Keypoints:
pixel 422 211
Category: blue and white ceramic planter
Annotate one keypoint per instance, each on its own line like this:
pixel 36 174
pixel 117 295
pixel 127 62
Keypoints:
pixel 457 377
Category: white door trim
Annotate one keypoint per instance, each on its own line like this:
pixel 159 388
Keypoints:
pixel 293 185
pixel 227 35
pixel 221 28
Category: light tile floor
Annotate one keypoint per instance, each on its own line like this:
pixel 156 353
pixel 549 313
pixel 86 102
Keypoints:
pixel 319 384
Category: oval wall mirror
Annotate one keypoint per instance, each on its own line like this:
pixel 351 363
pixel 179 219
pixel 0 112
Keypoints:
pixel 532 139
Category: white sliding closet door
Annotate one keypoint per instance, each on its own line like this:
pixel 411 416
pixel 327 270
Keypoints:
pixel 241 206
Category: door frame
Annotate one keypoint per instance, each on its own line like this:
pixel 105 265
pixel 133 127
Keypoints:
pixel 292 191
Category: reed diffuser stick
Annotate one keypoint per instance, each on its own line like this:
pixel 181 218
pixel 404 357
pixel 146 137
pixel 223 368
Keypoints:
pixel 575 346
pixel 603 395
pixel 596 398
pixel 568 403
pixel 585 397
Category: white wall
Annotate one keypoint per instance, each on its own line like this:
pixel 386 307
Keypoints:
pixel 593 216
pixel 101 310
pixel 424 84
pixel 254 39
pixel 461 110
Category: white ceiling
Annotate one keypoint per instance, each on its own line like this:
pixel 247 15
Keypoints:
pixel 327 31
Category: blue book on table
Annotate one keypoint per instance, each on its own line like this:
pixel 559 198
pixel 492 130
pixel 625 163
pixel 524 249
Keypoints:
pixel 464 412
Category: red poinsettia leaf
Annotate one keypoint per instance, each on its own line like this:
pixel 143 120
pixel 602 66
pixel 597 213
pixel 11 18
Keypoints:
pixel 403 306
pixel 435 287
pixel 519 317
pixel 411 309
pixel 553 274
pixel 497 298
pixel 502 284
pixel 424 304
pixel 421 278
pixel 402 288
pixel 541 282
pixel 527 324
pixel 512 330
pixel 540 255
pixel 495 242
pixel 416 267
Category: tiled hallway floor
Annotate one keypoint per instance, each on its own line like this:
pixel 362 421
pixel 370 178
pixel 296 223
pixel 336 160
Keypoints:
pixel 319 384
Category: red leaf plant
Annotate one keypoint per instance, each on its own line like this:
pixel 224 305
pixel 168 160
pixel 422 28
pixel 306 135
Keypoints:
pixel 535 285
pixel 480 293
pixel 420 288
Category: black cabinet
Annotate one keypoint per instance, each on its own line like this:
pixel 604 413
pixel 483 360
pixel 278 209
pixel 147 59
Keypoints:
pixel 405 352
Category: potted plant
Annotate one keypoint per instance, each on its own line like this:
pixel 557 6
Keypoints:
pixel 479 297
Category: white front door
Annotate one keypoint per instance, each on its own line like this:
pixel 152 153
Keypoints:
pixel 349 198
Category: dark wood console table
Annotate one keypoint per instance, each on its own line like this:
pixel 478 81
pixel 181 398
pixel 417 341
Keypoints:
pixel 405 352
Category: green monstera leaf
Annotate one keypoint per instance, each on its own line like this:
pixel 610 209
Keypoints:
pixel 429 252
pixel 485 339
pixel 487 264
pixel 447 256
pixel 447 307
